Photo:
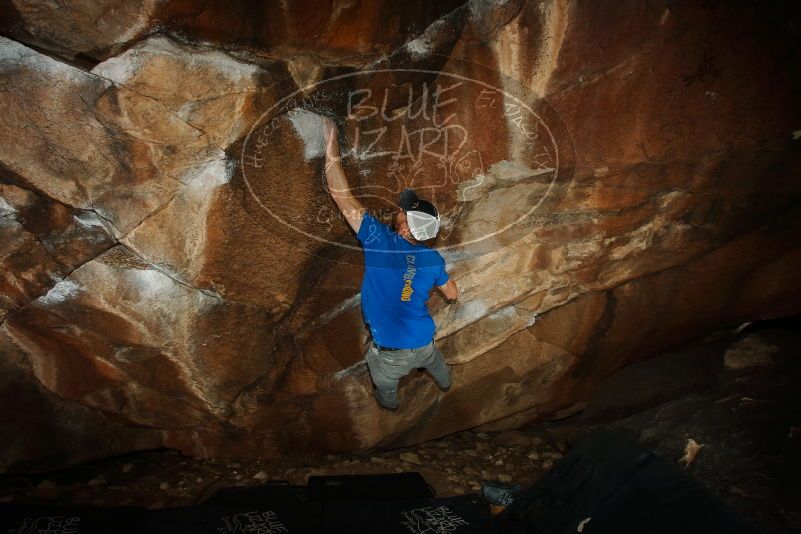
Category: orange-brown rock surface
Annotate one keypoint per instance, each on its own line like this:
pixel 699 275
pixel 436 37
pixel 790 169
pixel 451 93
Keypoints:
pixel 615 178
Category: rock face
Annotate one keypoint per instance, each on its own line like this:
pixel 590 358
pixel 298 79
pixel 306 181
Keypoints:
pixel 615 178
pixel 341 32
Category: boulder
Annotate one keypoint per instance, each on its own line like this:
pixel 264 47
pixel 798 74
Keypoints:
pixel 342 32
pixel 43 241
pixel 615 179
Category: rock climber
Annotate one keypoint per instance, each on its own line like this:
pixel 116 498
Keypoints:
pixel 399 274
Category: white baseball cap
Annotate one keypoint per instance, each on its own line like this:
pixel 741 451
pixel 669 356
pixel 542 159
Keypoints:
pixel 422 216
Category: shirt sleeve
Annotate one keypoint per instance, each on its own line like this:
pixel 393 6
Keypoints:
pixel 442 275
pixel 372 231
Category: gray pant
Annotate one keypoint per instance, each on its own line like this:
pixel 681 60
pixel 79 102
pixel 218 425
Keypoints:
pixel 387 367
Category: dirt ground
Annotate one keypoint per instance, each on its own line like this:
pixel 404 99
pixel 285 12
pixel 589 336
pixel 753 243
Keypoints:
pixel 454 465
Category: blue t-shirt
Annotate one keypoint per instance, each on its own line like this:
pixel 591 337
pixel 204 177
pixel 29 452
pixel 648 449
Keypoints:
pixel 398 278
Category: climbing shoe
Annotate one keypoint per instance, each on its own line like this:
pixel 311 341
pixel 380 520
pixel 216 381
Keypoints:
pixel 499 494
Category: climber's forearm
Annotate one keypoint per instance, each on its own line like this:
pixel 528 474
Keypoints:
pixel 338 185
pixel 337 181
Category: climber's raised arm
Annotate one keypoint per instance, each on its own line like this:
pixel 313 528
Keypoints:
pixel 338 186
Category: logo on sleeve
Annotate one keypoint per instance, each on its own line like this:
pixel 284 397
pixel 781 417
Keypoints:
pixel 406 292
